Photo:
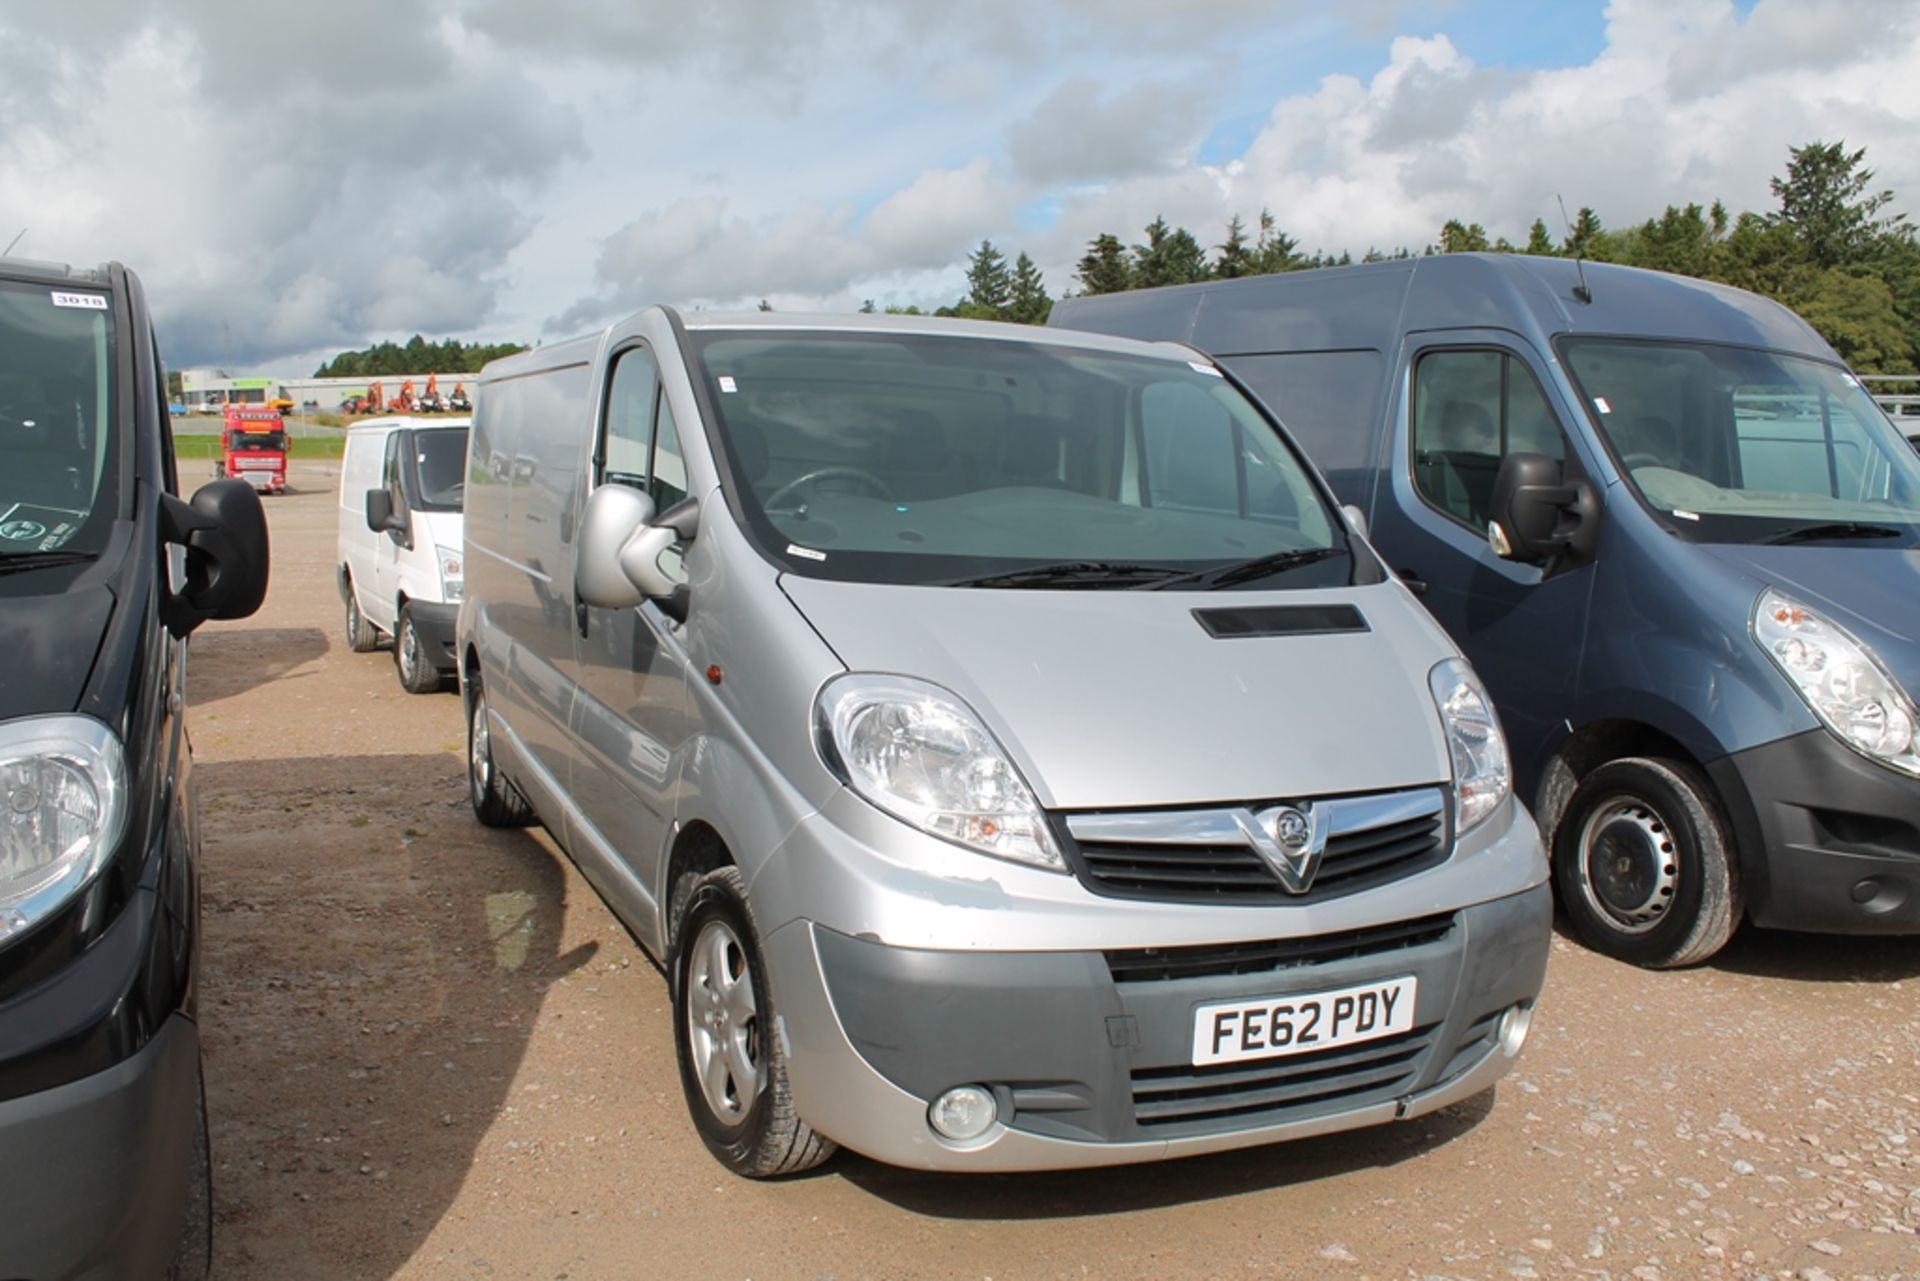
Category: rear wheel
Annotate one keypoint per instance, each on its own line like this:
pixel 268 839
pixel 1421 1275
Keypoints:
pixel 733 1068
pixel 418 675
pixel 362 636
pixel 495 803
pixel 1643 864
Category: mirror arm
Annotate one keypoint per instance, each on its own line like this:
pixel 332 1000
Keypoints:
pixel 208 546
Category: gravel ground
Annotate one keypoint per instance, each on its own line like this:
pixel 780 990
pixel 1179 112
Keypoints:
pixel 432 1053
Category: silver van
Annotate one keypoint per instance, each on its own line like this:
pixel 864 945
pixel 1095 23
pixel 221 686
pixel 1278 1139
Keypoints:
pixel 1014 754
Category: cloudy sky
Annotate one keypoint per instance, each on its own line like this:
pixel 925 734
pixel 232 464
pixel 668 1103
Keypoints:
pixel 295 179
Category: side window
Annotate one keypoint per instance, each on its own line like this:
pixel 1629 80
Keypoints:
pixel 622 455
pixel 667 478
pixel 390 472
pixel 1470 410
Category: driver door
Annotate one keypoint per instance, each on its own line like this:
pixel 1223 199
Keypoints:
pixel 632 706
pixel 382 611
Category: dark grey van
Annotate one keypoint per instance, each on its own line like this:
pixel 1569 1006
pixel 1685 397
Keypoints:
pixel 104 1162
pixel 1671 530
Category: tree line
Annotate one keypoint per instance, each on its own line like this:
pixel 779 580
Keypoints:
pixel 1831 251
pixel 415 356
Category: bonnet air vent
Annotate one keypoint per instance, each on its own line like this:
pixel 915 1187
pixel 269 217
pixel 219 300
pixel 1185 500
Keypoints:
pixel 1280 620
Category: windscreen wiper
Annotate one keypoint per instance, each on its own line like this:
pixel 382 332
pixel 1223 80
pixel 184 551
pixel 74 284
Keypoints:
pixel 1247 570
pixel 1835 530
pixel 1074 573
pixel 15 562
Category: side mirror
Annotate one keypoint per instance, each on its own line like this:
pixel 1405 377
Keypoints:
pixel 224 531
pixel 380 511
pixel 1538 517
pixel 614 514
pixel 640 558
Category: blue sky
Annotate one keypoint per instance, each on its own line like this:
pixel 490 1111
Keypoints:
pixel 489 169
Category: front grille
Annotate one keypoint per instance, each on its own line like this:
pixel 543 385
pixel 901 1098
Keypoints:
pixel 1160 964
pixel 1116 856
pixel 1277 1090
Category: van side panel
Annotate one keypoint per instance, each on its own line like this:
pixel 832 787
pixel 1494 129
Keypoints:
pixel 359 472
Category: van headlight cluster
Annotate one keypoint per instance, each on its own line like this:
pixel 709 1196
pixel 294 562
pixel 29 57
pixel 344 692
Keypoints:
pixel 63 809
pixel 919 753
pixel 1482 771
pixel 1841 680
pixel 452 571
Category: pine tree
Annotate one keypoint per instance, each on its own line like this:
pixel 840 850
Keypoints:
pixel 1104 269
pixel 1824 201
pixel 1171 256
pixel 1539 240
pixel 1030 304
pixel 1462 238
pixel 1236 258
pixel 1584 238
pixel 989 286
pixel 1275 249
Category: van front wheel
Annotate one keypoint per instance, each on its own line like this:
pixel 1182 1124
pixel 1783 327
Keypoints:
pixel 362 636
pixel 733 1068
pixel 495 803
pixel 418 675
pixel 1642 861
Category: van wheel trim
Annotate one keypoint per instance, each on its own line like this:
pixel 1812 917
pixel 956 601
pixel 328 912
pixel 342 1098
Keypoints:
pixel 409 647
pixel 723 1023
pixel 479 751
pixel 1628 866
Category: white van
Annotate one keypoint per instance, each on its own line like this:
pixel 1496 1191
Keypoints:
pixel 399 550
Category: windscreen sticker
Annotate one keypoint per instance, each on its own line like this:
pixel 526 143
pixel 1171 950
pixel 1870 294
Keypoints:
pixel 1685 515
pixel 24 527
pixel 1600 403
pixel 1199 368
pixel 727 384
pixel 1850 380
pixel 795 549
pixel 95 302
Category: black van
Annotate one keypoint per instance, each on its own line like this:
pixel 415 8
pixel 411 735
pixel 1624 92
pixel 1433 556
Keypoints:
pixel 103 572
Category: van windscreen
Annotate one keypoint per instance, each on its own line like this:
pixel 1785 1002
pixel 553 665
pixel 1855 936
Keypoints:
pixel 925 458
pixel 58 448
pixel 1737 445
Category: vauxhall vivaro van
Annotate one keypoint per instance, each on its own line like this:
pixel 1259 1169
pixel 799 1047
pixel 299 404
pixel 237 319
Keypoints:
pixel 399 563
pixel 1013 752
pixel 104 1161
pixel 1670 530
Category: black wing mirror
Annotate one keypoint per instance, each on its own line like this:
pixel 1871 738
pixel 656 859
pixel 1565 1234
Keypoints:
pixel 1539 517
pixel 381 517
pixel 224 530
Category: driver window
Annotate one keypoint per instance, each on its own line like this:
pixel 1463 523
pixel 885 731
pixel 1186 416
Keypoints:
pixel 390 474
pixel 629 419
pixel 1470 410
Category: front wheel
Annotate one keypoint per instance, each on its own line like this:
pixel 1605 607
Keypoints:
pixel 733 1068
pixel 418 675
pixel 1643 864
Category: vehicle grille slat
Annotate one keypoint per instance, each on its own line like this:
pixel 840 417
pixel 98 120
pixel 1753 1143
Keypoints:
pixel 1279 1088
pixel 1146 965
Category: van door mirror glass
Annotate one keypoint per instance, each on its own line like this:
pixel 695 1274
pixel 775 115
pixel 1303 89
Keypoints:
pixel 651 558
pixel 1538 517
pixel 614 514
pixel 224 532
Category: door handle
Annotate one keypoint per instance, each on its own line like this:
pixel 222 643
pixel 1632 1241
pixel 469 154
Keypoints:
pixel 1414 583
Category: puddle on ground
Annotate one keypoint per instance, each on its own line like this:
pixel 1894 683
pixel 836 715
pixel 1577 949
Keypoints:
pixel 510 926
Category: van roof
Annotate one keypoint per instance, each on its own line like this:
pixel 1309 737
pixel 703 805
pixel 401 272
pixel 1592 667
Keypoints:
pixel 389 423
pixel 582 349
pixel 1369 305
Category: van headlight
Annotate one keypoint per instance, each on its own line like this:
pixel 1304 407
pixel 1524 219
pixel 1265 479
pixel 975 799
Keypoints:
pixel 63 809
pixel 452 571
pixel 1482 771
pixel 920 754
pixel 1841 680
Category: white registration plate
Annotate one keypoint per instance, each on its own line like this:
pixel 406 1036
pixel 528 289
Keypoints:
pixel 1271 1027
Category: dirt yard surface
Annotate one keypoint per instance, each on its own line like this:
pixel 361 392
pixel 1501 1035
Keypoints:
pixel 431 1052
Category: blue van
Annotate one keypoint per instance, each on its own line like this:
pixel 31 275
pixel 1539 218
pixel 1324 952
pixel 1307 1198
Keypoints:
pixel 1672 532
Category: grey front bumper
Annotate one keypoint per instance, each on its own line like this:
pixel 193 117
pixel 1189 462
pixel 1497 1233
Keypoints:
pixel 95 1181
pixel 1093 1071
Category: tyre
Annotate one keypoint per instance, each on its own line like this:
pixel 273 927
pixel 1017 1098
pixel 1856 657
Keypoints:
pixel 362 636
pixel 193 1257
pixel 418 675
pixel 495 803
pixel 1643 864
pixel 733 1069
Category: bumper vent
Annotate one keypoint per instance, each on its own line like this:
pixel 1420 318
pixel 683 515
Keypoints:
pixel 1280 1089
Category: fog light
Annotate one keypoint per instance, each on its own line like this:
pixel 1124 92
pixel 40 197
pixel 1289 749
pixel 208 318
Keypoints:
pixel 963 1113
pixel 1511 1031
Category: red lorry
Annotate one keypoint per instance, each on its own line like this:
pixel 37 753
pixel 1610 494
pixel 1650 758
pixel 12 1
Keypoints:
pixel 253 446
